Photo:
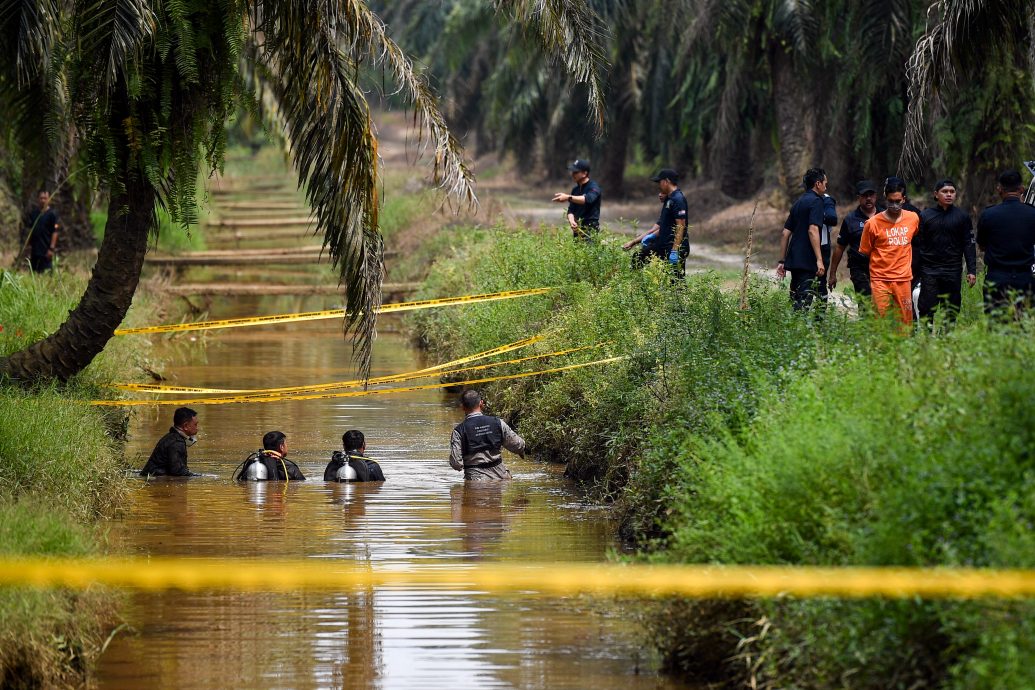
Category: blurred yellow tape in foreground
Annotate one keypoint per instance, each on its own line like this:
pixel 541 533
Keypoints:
pixel 547 578
pixel 332 313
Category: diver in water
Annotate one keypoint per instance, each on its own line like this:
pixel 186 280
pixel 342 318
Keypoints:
pixel 169 458
pixel 352 466
pixel 270 463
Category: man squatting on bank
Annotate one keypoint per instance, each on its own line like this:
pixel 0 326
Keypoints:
pixel 476 442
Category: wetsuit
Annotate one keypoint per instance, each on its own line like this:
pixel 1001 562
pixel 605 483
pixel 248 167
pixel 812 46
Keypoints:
pixel 475 447
pixel 169 457
pixel 945 241
pixel 587 215
pixel 275 464
pixel 366 469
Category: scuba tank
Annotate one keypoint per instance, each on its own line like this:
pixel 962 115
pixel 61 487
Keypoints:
pixel 255 470
pixel 346 473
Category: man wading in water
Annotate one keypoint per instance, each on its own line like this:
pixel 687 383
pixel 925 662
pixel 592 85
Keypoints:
pixel 476 442
pixel 169 458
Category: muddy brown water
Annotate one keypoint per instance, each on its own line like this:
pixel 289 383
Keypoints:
pixel 380 637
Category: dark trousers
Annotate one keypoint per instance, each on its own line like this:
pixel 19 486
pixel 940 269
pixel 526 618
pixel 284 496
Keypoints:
pixel 860 280
pixel 39 264
pixel 940 290
pixel 999 285
pixel 805 287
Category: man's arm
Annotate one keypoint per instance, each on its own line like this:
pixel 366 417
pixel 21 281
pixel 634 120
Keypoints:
pixel 178 460
pixel 294 473
pixel 678 239
pixel 835 261
pixel 511 441
pixel 785 238
pixel 456 456
pixel 969 251
pixel 639 238
pixel 814 241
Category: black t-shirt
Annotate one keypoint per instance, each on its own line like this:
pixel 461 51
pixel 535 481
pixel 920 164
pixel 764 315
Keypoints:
pixel 851 235
pixel 806 211
pixel 673 209
pixel 945 240
pixel 587 214
pixel 42 227
pixel 1006 232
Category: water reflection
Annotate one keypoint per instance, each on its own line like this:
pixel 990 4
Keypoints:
pixel 423 514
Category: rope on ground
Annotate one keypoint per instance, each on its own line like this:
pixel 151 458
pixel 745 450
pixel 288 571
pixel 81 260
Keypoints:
pixel 332 313
pixel 347 394
pixel 558 579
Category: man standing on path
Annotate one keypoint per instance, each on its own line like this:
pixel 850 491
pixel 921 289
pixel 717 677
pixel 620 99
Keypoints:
pixel 945 241
pixel 476 442
pixel 887 240
pixel 583 202
pixel 849 237
pixel 1006 234
pixel 800 249
pixel 42 234
pixel 668 239
pixel 169 457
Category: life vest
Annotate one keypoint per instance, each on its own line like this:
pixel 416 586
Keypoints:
pixel 480 433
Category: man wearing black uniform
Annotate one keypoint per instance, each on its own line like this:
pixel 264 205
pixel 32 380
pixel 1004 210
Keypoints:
pixel 668 239
pixel 800 242
pixel 583 201
pixel 43 234
pixel 849 237
pixel 169 457
pixel 945 241
pixel 1006 234
pixel 363 469
pixel 474 447
pixel 271 463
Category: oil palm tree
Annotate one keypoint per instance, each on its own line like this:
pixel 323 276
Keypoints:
pixel 146 87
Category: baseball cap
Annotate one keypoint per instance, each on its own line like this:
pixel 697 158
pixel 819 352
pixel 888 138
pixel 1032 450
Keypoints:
pixel 666 174
pixel 865 187
pixel 579 165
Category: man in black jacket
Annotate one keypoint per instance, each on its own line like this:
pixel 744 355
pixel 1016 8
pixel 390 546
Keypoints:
pixel 363 468
pixel 945 241
pixel 271 463
pixel 169 458
pixel 1006 234
pixel 849 237
pixel 583 202
pixel 800 249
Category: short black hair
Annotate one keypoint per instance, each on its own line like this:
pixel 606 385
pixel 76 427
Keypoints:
pixel 1010 181
pixel 273 439
pixel 182 415
pixel 470 399
pixel 353 440
pixel 944 182
pixel 894 184
pixel 812 176
pixel 42 191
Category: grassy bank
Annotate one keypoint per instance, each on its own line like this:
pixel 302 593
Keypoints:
pixel 61 471
pixel 764 436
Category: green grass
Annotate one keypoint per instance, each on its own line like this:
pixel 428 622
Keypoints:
pixel 767 436
pixel 172 238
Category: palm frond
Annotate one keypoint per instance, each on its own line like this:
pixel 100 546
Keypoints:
pixel 570 30
pixel 110 33
pixel 28 29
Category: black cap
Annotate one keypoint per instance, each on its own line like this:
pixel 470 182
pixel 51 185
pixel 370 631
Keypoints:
pixel 865 187
pixel 666 174
pixel 579 165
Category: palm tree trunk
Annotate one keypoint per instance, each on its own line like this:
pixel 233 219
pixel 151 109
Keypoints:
pixel 106 300
pixel 794 122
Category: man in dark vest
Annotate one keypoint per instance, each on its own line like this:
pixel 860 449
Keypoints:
pixel 1006 234
pixel 352 465
pixel 271 463
pixel 476 442
pixel 169 458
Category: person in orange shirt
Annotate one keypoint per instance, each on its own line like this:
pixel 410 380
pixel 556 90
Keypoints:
pixel 887 239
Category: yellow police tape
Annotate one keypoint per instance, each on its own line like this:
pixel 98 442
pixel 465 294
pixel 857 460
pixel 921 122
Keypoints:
pixel 394 378
pixel 346 394
pixel 160 389
pixel 332 313
pixel 549 578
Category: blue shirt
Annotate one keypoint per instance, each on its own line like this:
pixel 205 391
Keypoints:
pixel 673 209
pixel 588 214
pixel 807 210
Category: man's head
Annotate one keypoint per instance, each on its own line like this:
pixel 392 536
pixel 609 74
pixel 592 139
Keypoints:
pixel 667 179
pixel 471 401
pixel 866 191
pixel 353 441
pixel 186 420
pixel 43 196
pixel 945 192
pixel 816 180
pixel 579 169
pixel 275 440
pixel 894 195
pixel 1010 184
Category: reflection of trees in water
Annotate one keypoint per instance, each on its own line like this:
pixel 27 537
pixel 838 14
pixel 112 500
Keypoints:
pixel 478 507
pixel 361 662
